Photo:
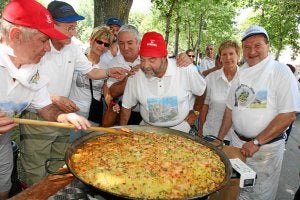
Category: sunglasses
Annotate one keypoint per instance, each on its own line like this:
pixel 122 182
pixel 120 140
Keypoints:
pixel 191 56
pixel 100 42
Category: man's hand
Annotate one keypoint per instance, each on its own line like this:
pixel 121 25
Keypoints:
pixel 64 104
pixel 135 69
pixel 249 149
pixel 6 124
pixel 118 73
pixel 79 121
pixel 182 60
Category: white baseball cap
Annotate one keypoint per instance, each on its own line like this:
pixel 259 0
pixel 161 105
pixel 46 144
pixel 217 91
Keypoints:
pixel 254 30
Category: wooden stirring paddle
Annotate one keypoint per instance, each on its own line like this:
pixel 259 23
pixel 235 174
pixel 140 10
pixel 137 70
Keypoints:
pixel 66 125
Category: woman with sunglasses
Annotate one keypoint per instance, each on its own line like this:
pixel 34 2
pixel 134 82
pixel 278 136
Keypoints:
pixel 191 54
pixel 99 42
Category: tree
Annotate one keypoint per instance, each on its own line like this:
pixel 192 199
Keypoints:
pixel 281 20
pixel 2 5
pixel 105 9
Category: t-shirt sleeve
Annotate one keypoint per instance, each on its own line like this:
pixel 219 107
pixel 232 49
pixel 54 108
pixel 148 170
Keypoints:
pixel 197 83
pixel 41 99
pixel 130 97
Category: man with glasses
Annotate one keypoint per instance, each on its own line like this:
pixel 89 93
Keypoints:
pixel 59 64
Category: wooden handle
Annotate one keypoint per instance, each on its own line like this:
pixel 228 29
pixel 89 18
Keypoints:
pixel 63 125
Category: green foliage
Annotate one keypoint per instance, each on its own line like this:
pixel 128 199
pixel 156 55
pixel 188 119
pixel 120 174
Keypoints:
pixel 281 20
pixel 2 5
pixel 85 27
pixel 216 14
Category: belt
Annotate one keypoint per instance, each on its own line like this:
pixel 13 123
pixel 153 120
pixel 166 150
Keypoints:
pixel 243 138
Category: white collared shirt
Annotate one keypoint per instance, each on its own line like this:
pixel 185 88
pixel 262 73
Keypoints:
pixel 217 91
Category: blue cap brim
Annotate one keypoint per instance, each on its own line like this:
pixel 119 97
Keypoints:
pixel 73 18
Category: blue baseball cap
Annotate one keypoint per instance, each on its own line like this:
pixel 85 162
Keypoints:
pixel 114 21
pixel 63 12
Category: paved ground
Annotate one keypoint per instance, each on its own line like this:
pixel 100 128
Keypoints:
pixel 290 180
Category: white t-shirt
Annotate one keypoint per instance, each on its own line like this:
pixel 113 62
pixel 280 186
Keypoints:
pixel 59 66
pixel 80 90
pixel 259 93
pixel 207 63
pixel 164 101
pixel 216 95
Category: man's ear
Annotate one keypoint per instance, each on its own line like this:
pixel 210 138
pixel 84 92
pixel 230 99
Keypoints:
pixel 15 35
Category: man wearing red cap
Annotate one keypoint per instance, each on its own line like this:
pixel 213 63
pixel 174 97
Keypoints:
pixel 165 92
pixel 59 64
pixel 24 34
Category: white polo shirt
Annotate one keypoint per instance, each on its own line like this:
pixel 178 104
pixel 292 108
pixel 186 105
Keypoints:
pixel 28 89
pixel 59 67
pixel 164 101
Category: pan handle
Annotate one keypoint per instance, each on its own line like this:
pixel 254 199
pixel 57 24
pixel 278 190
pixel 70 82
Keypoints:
pixel 211 138
pixel 59 172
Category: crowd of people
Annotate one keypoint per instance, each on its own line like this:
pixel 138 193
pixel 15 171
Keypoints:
pixel 123 78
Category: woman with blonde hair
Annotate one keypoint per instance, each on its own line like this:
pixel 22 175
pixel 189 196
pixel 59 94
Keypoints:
pixel 218 85
pixel 81 93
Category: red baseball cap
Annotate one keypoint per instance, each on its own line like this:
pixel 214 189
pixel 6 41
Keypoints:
pixel 30 13
pixel 153 45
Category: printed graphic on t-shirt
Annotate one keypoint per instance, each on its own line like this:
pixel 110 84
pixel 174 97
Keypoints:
pixel 35 78
pixel 82 81
pixel 162 109
pixel 245 96
pixel 12 109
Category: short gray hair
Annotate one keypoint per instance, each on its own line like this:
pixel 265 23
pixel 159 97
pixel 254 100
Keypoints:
pixel 131 29
pixel 5 27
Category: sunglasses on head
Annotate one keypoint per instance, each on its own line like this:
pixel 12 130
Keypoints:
pixel 193 56
pixel 100 42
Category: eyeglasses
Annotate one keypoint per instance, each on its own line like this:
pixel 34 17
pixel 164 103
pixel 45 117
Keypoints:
pixel 100 42
pixel 191 56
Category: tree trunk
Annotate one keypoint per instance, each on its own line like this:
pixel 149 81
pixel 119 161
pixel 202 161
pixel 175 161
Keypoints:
pixel 168 21
pixel 105 9
pixel 177 31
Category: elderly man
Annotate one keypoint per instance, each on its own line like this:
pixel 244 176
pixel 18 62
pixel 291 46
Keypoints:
pixel 261 105
pixel 25 29
pixel 39 143
pixel 166 93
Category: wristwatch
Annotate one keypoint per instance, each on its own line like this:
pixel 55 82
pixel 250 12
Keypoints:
pixel 255 142
pixel 196 112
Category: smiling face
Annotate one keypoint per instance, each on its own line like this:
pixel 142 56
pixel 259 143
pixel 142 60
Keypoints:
pixel 255 49
pixel 229 57
pixel 129 46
